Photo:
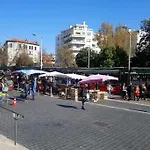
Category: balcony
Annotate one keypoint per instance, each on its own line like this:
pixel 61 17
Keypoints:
pixel 78 42
pixel 76 49
pixel 78 35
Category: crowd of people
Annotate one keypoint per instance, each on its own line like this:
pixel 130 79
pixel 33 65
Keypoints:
pixel 134 92
pixel 32 84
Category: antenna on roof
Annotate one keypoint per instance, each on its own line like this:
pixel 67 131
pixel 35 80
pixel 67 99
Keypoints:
pixel 83 22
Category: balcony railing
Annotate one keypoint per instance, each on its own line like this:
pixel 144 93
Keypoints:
pixel 77 42
pixel 78 35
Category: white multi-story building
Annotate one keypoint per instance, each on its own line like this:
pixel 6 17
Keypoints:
pixel 76 38
pixel 14 47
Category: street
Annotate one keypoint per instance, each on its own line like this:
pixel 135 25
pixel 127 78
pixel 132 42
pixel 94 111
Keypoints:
pixel 55 124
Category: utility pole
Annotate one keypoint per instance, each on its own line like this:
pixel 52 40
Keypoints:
pixel 89 57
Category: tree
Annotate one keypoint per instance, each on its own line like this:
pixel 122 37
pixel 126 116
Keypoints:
pixel 142 55
pixel 82 58
pixel 105 35
pixel 107 55
pixel 65 57
pixel 145 39
pixel 3 56
pixel 122 39
pixel 24 59
pixel 120 57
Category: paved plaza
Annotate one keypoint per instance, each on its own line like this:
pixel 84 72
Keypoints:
pixel 55 124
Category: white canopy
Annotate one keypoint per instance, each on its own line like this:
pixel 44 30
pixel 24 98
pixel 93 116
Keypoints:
pixel 76 76
pixel 112 78
pixel 54 74
pixel 29 72
pixel 97 78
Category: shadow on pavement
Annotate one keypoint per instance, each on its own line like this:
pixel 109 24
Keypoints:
pixel 67 106
pixel 18 98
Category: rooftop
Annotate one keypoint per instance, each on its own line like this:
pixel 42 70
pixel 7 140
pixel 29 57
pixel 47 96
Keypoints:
pixel 22 41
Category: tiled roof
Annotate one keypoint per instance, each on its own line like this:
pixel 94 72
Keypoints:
pixel 22 41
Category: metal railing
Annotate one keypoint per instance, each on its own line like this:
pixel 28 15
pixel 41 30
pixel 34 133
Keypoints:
pixel 16 116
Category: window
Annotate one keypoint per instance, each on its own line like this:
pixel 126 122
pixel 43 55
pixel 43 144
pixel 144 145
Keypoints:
pixel 78 33
pixel 88 33
pixel 78 46
pixel 24 46
pixel 35 48
pixel 19 45
pixel 10 45
pixel 88 40
pixel 30 47
pixel 30 53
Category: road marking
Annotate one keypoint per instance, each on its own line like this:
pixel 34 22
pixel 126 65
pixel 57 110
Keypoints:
pixel 129 102
pixel 119 108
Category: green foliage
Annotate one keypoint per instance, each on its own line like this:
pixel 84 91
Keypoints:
pixel 107 55
pixel 110 56
pixel 82 58
pixel 142 55
pixel 120 57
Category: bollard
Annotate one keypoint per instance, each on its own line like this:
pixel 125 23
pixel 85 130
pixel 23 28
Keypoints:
pixel 51 91
pixel 76 94
pixel 16 117
pixel 65 93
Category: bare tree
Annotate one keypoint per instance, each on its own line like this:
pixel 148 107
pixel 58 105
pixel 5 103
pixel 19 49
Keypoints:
pixel 65 57
pixel 21 57
pixel 122 39
pixel 24 59
pixel 105 35
pixel 3 56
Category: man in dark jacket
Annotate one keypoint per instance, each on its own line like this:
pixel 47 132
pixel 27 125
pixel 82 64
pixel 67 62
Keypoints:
pixel 130 90
pixel 84 93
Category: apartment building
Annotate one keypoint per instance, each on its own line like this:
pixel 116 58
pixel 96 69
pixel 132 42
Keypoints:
pixel 14 47
pixel 48 60
pixel 76 38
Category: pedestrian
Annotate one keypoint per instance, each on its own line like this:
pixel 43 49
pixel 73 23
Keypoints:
pixel 26 88
pixel 109 89
pixel 144 89
pixel 44 82
pixel 124 91
pixel 84 95
pixel 137 93
pixel 32 87
pixel 130 90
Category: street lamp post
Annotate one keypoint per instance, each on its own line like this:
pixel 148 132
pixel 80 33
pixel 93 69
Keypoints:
pixel 88 57
pixel 129 55
pixel 41 53
pixel 129 58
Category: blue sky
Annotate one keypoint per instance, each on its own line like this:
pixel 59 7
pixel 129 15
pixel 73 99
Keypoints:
pixel 46 18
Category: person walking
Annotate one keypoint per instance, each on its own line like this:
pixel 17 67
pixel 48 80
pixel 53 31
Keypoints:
pixel 26 89
pixel 137 93
pixel 124 91
pixel 109 89
pixel 130 90
pixel 84 94
pixel 143 91
pixel 32 87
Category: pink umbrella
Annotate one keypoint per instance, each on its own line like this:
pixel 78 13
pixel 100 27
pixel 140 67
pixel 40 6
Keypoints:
pixel 111 78
pixel 94 78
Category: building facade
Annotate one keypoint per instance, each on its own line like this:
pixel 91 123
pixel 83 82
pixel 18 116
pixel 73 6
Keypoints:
pixel 14 47
pixel 76 38
pixel 48 60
